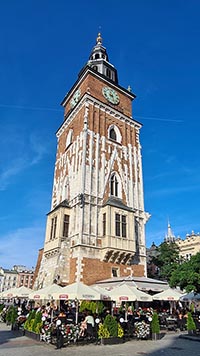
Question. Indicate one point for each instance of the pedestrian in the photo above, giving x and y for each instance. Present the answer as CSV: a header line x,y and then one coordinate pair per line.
x,y
59,335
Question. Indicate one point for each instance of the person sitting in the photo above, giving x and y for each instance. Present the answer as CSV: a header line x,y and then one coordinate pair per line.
x,y
83,328
89,319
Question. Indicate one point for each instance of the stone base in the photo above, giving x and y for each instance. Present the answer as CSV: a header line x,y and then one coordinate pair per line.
x,y
32,335
111,340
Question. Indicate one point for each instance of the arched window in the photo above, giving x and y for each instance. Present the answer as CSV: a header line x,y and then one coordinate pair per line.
x,y
69,138
114,185
95,68
114,133
97,56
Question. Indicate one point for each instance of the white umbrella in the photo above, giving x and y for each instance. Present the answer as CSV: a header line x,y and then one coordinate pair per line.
x,y
129,293
168,295
104,293
78,291
21,292
45,293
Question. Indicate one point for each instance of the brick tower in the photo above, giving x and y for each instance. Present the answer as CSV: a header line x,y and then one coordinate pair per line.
x,y
96,227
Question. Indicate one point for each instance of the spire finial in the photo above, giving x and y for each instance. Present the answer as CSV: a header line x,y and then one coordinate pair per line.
x,y
99,38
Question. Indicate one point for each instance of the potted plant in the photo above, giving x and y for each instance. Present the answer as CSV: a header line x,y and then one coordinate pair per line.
x,y
110,331
11,317
155,326
33,325
191,326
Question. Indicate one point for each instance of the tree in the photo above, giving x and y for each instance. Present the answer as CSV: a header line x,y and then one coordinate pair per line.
x,y
187,275
190,323
155,326
167,259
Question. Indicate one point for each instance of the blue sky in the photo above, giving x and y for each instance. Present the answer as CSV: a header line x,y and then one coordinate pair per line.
x,y
155,47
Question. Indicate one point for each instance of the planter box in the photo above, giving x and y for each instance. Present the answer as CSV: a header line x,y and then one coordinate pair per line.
x,y
191,332
32,335
155,336
111,340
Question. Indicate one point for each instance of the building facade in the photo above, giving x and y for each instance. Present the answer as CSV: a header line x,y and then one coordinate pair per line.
x,y
96,226
25,276
8,279
16,277
190,246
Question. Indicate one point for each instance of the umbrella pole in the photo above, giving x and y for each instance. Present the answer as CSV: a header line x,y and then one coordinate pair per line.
x,y
76,311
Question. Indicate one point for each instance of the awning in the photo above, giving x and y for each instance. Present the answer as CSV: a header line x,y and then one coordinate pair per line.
x,y
142,283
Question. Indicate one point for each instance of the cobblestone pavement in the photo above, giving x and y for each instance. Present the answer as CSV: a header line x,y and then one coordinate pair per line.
x,y
12,344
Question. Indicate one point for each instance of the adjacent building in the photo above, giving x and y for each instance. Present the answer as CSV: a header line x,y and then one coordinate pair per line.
x,y
96,226
189,246
8,279
16,277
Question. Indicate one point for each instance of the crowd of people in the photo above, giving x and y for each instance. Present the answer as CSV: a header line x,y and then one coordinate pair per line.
x,y
58,318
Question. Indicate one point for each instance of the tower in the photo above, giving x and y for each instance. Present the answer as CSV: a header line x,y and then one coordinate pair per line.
x,y
169,237
96,226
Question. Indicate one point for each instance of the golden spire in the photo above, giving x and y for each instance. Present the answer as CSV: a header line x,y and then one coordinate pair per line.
x,y
99,39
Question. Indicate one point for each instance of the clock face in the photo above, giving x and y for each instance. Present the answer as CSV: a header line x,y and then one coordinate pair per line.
x,y
75,98
111,95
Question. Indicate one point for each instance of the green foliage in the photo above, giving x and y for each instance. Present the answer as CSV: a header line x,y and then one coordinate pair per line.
x,y
155,326
167,259
34,322
111,324
190,322
94,307
11,315
110,328
30,320
103,332
37,321
187,275
192,308
38,327
1,307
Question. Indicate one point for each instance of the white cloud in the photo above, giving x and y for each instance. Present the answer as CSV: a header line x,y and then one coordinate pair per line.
x,y
39,149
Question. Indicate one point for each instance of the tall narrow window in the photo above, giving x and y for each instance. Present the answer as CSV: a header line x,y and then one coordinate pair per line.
x,y
120,225
114,185
123,225
117,224
104,224
53,228
66,225
108,72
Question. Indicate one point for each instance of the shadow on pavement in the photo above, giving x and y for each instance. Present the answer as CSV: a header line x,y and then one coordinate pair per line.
x,y
6,335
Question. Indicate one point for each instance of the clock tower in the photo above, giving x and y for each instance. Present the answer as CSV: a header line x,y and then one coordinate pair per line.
x,y
96,226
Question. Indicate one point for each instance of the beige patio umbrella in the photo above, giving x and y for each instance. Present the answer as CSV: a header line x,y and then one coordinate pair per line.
x,y
45,293
78,291
21,292
168,295
128,293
